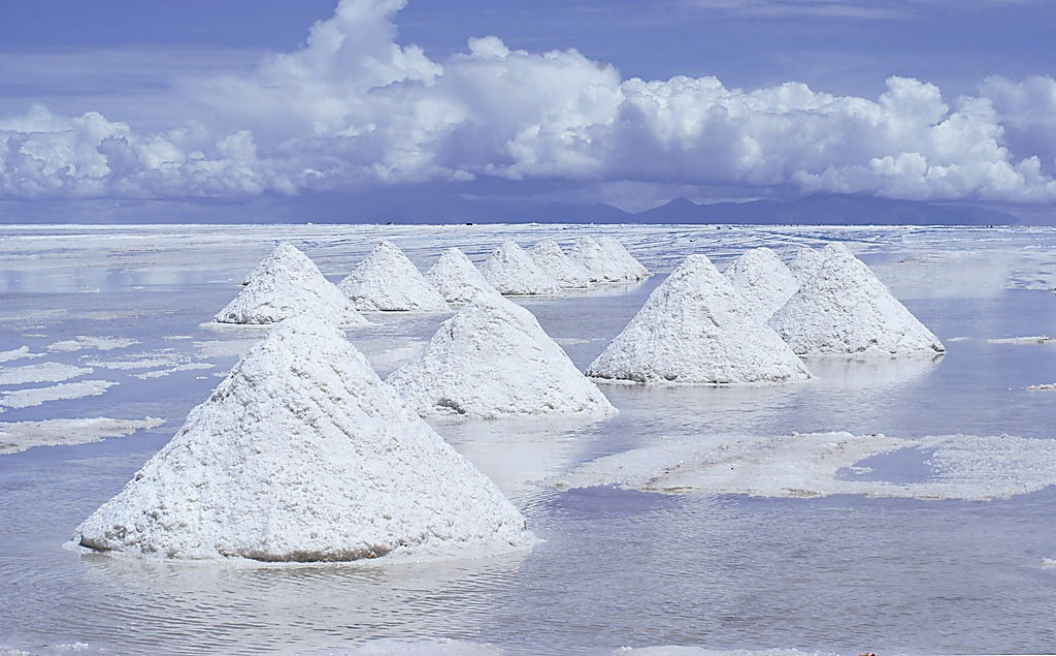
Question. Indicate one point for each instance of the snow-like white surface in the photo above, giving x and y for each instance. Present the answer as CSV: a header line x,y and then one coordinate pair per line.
x,y
607,260
764,281
86,342
569,273
285,284
823,464
1022,341
510,270
303,454
844,309
22,435
694,329
27,398
387,281
21,353
45,372
805,263
456,277
492,360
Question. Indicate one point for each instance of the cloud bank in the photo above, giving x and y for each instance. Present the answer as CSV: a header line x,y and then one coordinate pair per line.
x,y
354,109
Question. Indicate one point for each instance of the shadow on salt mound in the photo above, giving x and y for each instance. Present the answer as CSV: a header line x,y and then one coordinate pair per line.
x,y
286,284
606,260
511,271
569,274
823,464
694,329
844,309
303,454
763,280
494,360
387,281
456,278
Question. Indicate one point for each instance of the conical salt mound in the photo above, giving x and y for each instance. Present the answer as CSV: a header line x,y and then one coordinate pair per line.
x,y
510,270
606,260
763,280
693,329
285,284
492,360
844,309
548,256
805,263
456,278
387,281
303,454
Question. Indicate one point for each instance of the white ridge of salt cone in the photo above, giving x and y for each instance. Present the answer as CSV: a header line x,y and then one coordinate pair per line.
x,y
570,274
456,278
387,281
763,280
606,260
303,454
805,263
493,360
844,309
285,284
511,270
693,329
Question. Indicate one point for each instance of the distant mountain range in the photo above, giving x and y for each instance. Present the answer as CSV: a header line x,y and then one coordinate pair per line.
x,y
818,209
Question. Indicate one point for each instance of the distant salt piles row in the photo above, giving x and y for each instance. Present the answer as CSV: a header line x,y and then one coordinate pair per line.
x,y
288,283
750,325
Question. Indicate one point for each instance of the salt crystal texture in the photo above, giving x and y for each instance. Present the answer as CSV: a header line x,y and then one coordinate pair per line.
x,y
606,260
763,280
456,278
511,270
386,280
303,454
805,263
844,309
492,360
694,329
570,274
285,284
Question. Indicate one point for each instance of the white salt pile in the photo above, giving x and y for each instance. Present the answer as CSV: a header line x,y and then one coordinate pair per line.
x,y
693,329
511,270
492,360
805,263
285,284
606,260
570,274
456,278
763,280
844,309
303,454
387,281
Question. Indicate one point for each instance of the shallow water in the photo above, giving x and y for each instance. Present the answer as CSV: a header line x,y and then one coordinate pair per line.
x,y
619,567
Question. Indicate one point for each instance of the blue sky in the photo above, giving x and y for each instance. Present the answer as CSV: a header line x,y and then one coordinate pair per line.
x,y
112,108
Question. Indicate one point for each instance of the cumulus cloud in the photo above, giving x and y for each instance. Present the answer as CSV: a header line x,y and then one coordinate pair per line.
x,y
353,108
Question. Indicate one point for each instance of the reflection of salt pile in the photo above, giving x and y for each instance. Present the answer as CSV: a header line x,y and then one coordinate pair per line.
x,y
456,277
805,263
303,454
693,329
606,260
763,280
387,281
492,359
284,284
845,309
570,274
511,270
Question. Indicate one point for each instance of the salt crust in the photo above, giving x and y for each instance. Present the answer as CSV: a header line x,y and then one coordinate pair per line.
x,y
286,284
805,465
510,270
98,343
493,360
27,398
763,280
570,274
456,278
22,435
606,260
844,309
303,454
387,281
45,372
694,329
805,263
21,353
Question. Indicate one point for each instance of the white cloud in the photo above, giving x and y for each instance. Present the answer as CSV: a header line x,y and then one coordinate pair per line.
x,y
353,108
